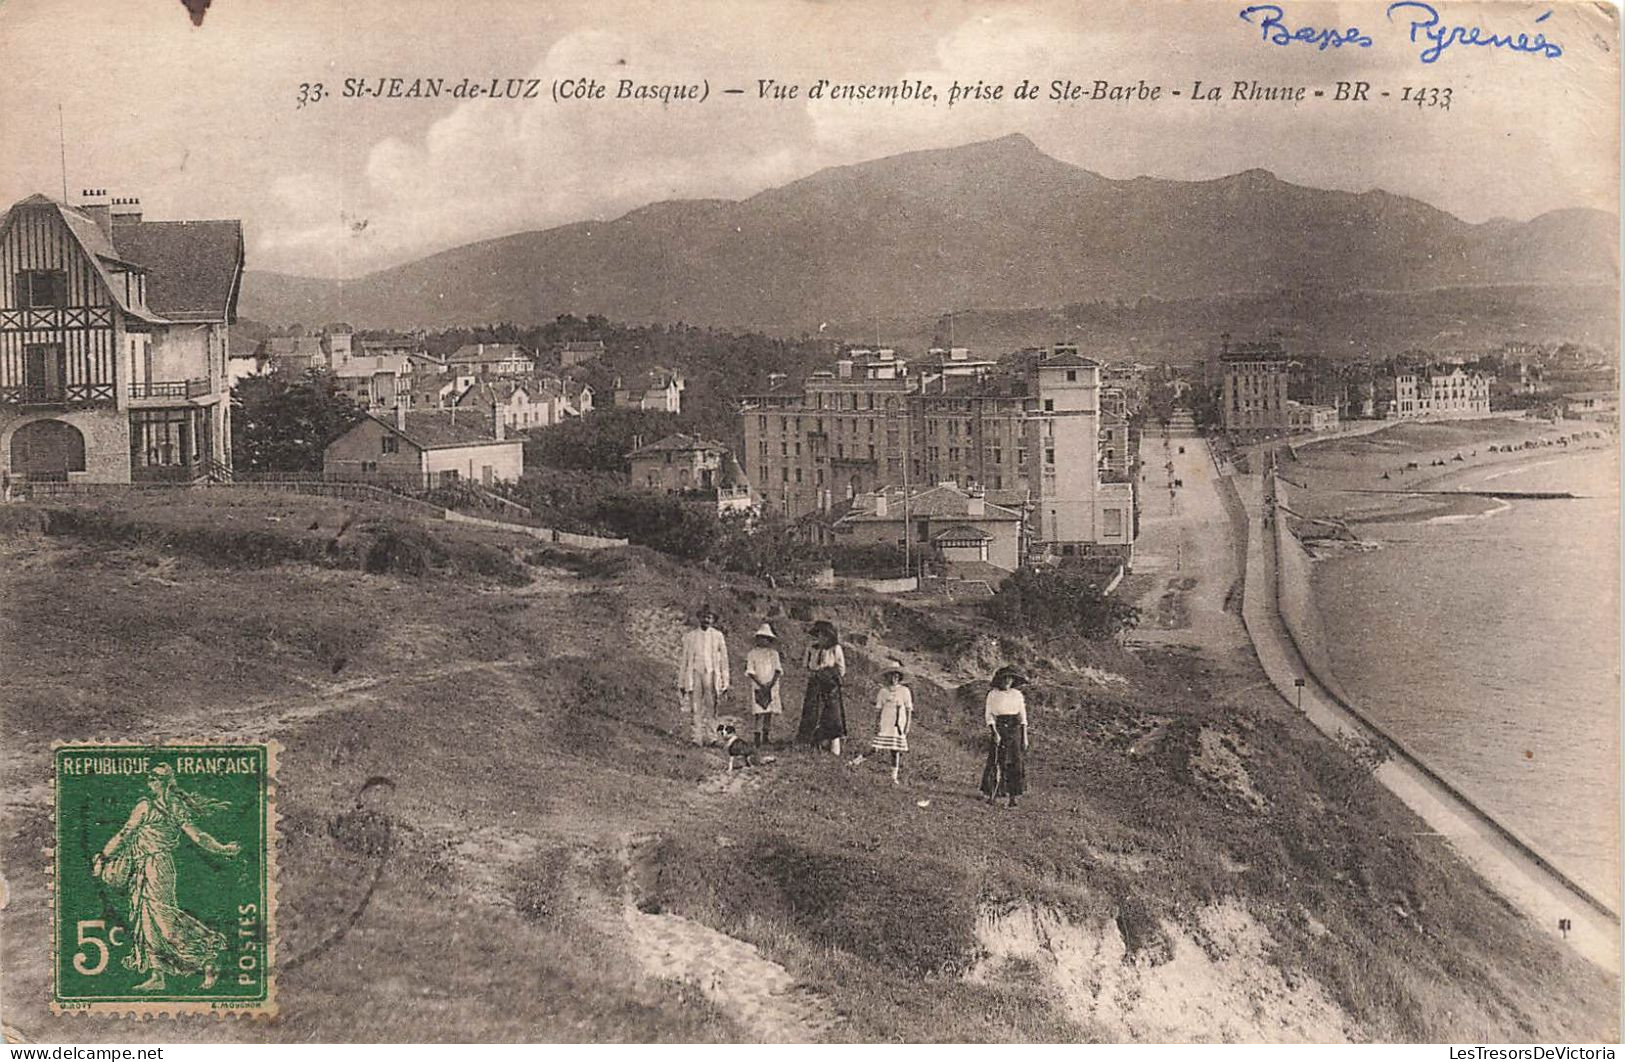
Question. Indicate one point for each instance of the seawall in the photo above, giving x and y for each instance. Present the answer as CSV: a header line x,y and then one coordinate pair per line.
x,y
1505,861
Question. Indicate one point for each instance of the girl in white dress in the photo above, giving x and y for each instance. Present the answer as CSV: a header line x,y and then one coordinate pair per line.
x,y
894,704
766,670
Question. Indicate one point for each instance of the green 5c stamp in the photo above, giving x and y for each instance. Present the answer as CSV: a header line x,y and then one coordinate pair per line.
x,y
164,878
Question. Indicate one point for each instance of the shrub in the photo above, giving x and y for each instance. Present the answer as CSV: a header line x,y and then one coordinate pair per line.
x,y
1051,601
404,549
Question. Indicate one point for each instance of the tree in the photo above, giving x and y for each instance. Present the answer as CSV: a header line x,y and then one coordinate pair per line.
x,y
598,441
282,422
1058,601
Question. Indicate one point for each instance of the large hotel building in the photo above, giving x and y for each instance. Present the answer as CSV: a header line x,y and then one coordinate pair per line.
x,y
873,423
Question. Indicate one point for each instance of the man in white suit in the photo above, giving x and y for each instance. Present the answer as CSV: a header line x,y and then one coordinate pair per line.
x,y
702,678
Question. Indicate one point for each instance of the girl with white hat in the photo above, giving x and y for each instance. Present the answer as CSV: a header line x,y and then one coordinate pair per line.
x,y
895,706
766,669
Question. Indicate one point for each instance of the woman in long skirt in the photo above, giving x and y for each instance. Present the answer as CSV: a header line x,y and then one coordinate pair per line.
x,y
823,713
1005,773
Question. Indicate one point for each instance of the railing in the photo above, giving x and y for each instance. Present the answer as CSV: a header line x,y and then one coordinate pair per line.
x,y
183,473
170,388
73,394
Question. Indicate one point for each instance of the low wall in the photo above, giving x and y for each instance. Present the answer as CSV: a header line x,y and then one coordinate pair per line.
x,y
881,586
546,534
1291,585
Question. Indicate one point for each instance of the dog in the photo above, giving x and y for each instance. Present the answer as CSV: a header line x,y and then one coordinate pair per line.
x,y
736,747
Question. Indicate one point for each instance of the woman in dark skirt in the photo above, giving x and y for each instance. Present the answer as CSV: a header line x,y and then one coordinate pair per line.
x,y
1006,771
823,714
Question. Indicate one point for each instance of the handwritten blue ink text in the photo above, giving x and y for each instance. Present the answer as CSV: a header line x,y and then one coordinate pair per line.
x,y
1268,18
1425,24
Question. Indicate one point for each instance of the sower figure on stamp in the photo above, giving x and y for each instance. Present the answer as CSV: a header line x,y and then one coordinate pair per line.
x,y
702,676
138,862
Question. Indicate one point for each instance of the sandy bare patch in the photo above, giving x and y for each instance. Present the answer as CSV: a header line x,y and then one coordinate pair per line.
x,y
1214,984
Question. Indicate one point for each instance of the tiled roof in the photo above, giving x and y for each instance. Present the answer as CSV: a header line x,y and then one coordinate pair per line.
x,y
678,442
1069,360
193,267
436,429
583,346
962,533
933,502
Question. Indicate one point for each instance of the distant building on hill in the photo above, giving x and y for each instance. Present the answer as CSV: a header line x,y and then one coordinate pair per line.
x,y
659,390
685,464
491,359
427,449
580,351
1440,391
293,354
523,403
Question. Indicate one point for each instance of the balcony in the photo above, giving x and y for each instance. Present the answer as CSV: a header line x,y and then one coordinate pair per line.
x,y
168,392
58,396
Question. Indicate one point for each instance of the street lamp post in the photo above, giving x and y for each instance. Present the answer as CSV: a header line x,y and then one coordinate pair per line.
x,y
1298,682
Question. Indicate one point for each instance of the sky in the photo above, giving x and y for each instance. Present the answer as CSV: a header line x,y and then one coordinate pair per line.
x,y
201,121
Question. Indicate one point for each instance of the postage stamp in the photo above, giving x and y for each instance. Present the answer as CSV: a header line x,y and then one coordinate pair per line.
x,y
164,878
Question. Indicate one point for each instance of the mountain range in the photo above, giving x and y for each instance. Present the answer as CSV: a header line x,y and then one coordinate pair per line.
x,y
990,225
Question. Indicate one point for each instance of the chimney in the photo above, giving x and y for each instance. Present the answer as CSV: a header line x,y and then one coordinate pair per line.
x,y
976,505
882,506
400,415
844,368
126,210
498,426
95,206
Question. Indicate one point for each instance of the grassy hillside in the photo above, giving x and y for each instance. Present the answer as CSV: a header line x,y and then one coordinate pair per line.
x,y
492,828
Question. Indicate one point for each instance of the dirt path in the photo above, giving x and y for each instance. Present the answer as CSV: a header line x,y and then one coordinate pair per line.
x,y
758,994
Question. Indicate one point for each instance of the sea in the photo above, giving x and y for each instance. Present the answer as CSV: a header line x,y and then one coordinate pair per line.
x,y
1488,642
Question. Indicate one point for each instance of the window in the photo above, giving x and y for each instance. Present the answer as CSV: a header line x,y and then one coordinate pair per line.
x,y
369,466
798,475
45,372
784,475
1049,405
41,287
391,445
1072,376
1049,457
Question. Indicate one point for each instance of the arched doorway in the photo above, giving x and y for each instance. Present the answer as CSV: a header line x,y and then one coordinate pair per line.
x,y
47,449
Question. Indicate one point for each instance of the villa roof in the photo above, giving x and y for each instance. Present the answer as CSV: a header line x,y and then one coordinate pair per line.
x,y
968,533
193,267
677,442
439,430
940,502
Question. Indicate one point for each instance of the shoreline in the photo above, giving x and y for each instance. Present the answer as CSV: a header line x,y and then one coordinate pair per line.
x,y
1513,869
